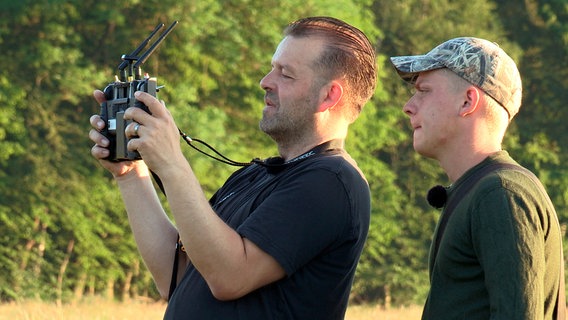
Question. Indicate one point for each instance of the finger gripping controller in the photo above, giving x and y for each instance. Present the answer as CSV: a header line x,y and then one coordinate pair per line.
x,y
119,97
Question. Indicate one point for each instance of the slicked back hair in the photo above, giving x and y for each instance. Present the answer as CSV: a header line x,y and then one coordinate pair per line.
x,y
348,55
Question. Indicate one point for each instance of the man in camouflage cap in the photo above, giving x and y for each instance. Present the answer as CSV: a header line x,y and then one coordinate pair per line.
x,y
480,62
497,250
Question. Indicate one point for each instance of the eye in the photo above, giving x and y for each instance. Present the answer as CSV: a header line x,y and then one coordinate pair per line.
x,y
286,72
419,89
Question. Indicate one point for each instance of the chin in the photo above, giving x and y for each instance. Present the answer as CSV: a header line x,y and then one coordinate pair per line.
x,y
420,149
425,153
265,126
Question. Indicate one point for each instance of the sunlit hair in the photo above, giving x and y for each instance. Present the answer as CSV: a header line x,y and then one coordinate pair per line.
x,y
496,115
348,55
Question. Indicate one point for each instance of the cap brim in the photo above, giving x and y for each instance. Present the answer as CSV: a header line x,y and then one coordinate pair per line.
x,y
409,66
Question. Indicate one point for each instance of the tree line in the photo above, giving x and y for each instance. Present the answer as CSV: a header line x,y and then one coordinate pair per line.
x,y
63,229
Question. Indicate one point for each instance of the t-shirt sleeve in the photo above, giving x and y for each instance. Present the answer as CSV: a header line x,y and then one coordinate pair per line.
x,y
304,215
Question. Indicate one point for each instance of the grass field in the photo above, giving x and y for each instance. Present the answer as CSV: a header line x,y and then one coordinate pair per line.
x,y
135,310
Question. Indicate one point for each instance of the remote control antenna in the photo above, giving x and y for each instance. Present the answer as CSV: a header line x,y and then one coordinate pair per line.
x,y
127,59
119,96
146,55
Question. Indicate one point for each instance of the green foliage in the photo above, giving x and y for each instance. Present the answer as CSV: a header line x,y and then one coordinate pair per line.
x,y
63,229
541,29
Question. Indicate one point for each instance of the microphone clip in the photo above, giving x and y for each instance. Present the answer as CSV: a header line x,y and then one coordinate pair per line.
x,y
437,196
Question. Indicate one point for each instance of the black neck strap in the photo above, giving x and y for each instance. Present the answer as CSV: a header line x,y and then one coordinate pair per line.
x,y
277,164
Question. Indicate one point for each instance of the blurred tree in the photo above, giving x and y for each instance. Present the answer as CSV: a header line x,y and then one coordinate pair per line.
x,y
63,229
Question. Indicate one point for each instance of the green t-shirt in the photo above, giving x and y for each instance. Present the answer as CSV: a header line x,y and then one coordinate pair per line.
x,y
499,256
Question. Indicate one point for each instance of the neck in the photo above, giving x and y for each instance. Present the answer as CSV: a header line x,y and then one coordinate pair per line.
x,y
457,166
471,147
295,144
290,152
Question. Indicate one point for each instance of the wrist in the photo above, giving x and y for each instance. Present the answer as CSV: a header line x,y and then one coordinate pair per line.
x,y
173,168
134,171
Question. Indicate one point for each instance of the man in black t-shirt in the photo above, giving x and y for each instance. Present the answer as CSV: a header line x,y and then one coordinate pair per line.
x,y
281,239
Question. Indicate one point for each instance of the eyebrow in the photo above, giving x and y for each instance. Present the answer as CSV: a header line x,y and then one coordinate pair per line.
x,y
290,69
284,66
420,79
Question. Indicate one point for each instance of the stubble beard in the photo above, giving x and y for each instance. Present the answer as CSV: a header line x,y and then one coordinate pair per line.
x,y
290,126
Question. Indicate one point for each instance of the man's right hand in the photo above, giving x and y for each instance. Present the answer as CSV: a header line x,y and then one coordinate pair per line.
x,y
100,150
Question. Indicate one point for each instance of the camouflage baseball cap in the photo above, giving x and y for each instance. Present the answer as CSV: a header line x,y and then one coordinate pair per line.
x,y
481,62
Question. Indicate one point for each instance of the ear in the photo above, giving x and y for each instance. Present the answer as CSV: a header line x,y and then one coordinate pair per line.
x,y
332,94
472,101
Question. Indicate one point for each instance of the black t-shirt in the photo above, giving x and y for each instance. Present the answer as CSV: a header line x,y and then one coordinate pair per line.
x,y
312,217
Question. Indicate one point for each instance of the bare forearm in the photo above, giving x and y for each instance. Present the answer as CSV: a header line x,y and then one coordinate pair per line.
x,y
204,234
154,233
220,254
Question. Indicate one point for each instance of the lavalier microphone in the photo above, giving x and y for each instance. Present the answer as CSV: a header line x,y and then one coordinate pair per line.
x,y
437,197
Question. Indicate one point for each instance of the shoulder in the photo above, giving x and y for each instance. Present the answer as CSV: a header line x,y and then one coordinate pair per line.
x,y
500,172
517,180
340,164
514,190
500,182
334,177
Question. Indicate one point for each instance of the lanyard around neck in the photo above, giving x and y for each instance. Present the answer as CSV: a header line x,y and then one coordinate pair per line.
x,y
277,164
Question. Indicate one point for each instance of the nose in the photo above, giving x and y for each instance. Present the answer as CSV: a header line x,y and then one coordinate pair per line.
x,y
265,82
409,108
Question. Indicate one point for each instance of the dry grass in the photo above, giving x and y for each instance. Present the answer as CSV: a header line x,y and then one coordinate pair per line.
x,y
93,309
100,309
368,312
